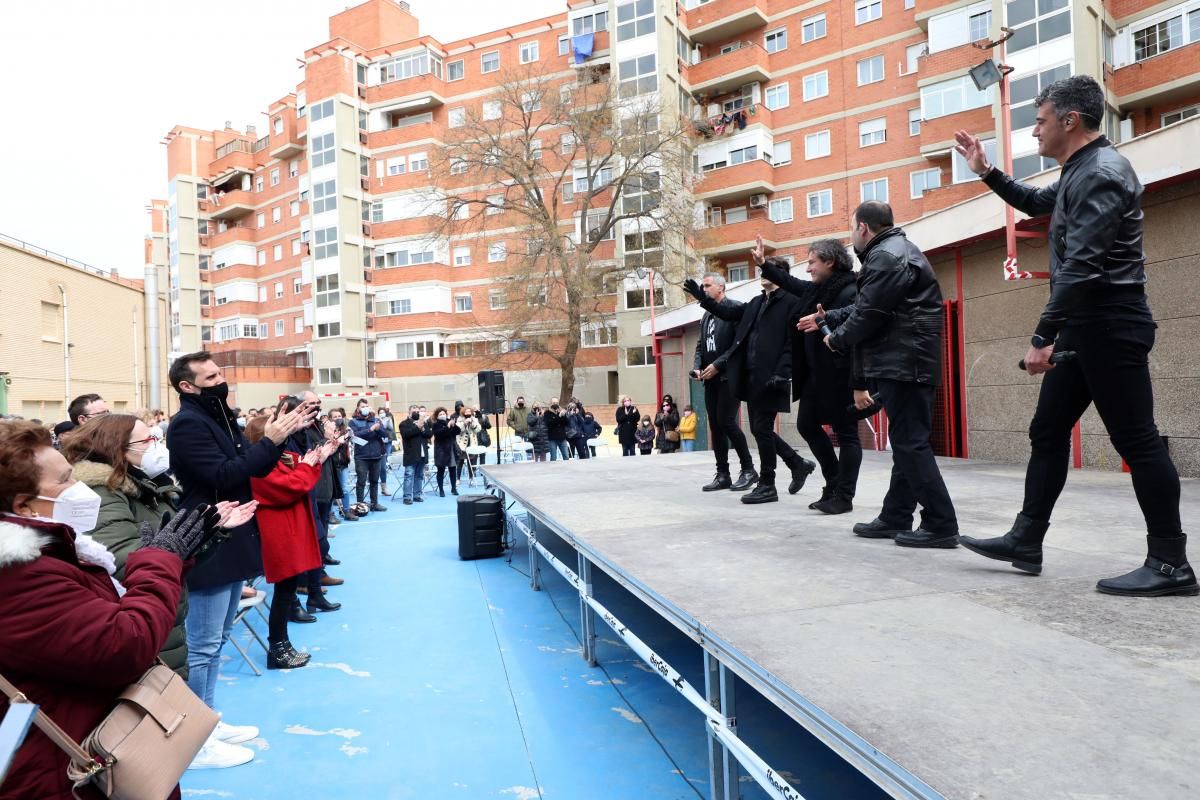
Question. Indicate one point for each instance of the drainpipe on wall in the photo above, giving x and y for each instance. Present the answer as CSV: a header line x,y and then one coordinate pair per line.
x,y
66,349
150,289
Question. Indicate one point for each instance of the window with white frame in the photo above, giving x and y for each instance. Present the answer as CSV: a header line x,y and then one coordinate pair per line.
x,y
923,180
529,52
568,192
456,117
262,294
406,351
820,203
737,272
637,76
258,183
635,19
495,204
262,331
396,166
327,291
979,24
458,166
531,101
260,220
816,85
275,177
298,325
872,131
776,97
322,149
781,153
293,168
780,210
876,189
276,214
870,70
462,303
409,66
812,28
1171,117
324,197
914,122
568,143
775,40
912,58
952,96
536,295
294,208
960,172
735,215
325,243
418,162
462,256
497,251
455,70
497,299
489,62
1035,24
594,334
400,305
329,375
743,154
817,145
600,178
278,289
961,26
564,45
1023,91
321,110
297,285
590,23
643,193
277,252
261,257
641,356
491,109
867,11
279,331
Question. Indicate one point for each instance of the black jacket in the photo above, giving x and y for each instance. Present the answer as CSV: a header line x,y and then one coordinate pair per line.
x,y
716,337
627,424
828,368
536,433
895,326
212,461
444,434
413,437
311,438
763,380
1096,257
556,425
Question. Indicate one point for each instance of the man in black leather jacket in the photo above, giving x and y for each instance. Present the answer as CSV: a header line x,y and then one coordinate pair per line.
x,y
894,330
1098,309
716,337
759,370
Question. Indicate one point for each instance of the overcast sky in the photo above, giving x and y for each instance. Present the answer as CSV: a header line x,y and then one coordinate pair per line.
x,y
90,88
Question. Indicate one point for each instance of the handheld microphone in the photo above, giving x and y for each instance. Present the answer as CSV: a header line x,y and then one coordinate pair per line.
x,y
857,413
1055,358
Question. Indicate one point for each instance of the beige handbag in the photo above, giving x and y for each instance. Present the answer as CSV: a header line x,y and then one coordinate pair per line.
x,y
142,748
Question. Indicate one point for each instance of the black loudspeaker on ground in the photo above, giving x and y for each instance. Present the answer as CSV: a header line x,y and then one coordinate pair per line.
x,y
480,526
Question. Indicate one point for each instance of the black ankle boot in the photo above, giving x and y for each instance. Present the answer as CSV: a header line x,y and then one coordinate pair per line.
x,y
1021,546
878,529
1165,572
721,481
835,504
298,614
283,656
826,493
800,474
746,479
319,602
763,493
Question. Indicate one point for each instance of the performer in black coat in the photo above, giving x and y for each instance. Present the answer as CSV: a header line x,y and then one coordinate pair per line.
x,y
721,404
825,377
894,330
760,372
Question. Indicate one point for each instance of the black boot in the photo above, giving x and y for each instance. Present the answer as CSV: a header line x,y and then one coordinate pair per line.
x,y
721,481
746,479
298,614
878,529
283,656
1165,572
1021,546
826,493
835,504
317,601
763,493
923,538
330,561
800,474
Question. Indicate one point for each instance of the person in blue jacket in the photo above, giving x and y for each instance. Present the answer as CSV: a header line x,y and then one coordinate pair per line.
x,y
369,448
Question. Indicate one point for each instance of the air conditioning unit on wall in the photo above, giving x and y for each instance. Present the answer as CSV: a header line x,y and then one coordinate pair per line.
x,y
758,201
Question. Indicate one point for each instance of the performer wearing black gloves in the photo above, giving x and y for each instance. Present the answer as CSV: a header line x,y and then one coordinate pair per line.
x,y
716,336
1098,309
760,372
825,382
895,331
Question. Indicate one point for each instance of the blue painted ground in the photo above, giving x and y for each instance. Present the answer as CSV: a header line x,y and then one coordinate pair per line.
x,y
448,679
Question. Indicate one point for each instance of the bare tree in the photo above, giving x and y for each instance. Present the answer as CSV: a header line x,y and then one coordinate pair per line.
x,y
566,169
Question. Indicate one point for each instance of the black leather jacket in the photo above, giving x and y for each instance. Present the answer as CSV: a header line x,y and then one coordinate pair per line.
x,y
1096,256
895,326
722,333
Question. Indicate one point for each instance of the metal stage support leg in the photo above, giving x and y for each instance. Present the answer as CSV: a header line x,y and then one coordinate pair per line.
x,y
534,581
723,769
586,612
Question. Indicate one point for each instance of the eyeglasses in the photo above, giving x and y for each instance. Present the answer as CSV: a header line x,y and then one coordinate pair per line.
x,y
147,440
96,414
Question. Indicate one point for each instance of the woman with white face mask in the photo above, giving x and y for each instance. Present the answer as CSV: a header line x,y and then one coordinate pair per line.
x,y
118,459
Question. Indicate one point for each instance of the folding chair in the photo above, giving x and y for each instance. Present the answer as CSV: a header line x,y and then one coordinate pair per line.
x,y
244,606
429,480
522,449
599,445
473,450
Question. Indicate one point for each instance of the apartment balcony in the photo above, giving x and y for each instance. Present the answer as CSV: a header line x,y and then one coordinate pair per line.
x,y
721,20
418,93
725,72
429,320
234,158
235,233
405,133
233,272
398,276
736,182
953,60
234,309
261,366
937,135
924,9
736,239
1168,77
231,205
600,52
287,144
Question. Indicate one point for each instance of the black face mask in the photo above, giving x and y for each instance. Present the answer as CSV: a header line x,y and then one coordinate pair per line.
x,y
220,391
416,415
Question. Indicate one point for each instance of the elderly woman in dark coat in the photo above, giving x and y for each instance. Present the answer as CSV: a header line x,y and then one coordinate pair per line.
x,y
538,434
445,437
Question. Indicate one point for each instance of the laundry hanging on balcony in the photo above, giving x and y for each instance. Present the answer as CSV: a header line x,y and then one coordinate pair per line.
x,y
728,123
583,45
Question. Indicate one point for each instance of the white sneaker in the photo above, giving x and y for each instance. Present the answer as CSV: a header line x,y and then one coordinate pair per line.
x,y
234,734
218,755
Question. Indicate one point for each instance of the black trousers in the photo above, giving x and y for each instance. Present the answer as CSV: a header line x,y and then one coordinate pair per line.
x,y
840,470
770,444
629,449
722,408
1112,370
441,476
313,577
580,448
367,471
915,474
281,607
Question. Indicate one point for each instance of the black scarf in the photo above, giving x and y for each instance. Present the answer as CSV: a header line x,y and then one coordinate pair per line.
x,y
827,292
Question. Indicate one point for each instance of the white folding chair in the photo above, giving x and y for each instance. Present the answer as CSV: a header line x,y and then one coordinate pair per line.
x,y
244,607
474,450
522,449
599,445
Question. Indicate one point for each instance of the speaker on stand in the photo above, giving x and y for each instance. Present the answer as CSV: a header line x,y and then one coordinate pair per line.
x,y
491,398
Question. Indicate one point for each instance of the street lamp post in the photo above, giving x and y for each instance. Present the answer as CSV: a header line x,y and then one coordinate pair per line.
x,y
642,272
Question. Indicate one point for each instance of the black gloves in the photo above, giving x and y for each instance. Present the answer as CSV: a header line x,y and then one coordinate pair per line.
x,y
183,535
776,382
691,287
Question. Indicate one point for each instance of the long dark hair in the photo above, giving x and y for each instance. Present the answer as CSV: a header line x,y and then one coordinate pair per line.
x,y
831,251
105,440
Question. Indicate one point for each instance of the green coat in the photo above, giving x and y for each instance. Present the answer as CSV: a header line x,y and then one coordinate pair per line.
x,y
122,512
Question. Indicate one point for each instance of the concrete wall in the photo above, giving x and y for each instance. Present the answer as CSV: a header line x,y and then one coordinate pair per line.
x,y
1000,316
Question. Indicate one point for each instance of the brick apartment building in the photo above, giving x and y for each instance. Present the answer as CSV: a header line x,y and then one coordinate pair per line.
x,y
302,255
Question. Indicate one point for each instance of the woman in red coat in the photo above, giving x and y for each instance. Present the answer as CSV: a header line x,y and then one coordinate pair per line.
x,y
72,638
289,537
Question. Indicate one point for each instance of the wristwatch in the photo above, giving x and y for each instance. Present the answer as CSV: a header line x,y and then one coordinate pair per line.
x,y
1040,341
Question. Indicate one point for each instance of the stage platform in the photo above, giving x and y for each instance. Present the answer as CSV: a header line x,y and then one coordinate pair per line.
x,y
935,673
